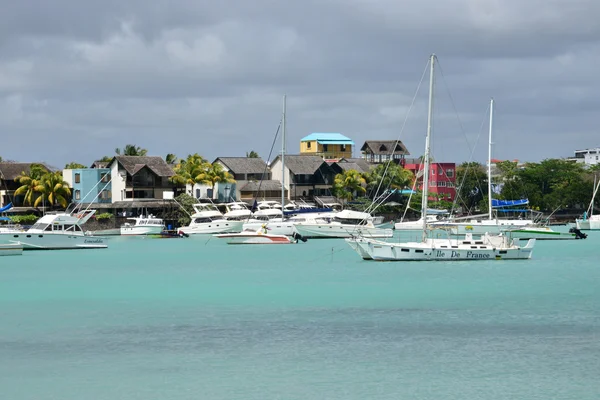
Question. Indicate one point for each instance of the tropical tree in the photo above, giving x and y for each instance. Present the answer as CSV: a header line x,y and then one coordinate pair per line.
x,y
74,165
347,184
252,154
106,159
131,150
471,181
388,176
214,174
30,182
53,190
171,159
190,171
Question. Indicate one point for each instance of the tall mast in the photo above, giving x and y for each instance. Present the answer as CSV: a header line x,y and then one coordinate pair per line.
x,y
490,159
283,157
426,156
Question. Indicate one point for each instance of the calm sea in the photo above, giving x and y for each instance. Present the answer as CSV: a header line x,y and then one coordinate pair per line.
x,y
161,319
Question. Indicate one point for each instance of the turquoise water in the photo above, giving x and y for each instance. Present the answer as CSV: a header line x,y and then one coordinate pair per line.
x,y
197,319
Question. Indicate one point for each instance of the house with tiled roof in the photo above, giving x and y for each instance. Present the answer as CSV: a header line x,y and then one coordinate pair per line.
x,y
380,151
140,177
243,170
306,176
330,146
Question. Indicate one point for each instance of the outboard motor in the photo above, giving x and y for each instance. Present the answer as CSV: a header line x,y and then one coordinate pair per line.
x,y
578,233
298,236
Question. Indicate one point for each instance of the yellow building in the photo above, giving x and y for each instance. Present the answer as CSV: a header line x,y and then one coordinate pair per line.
x,y
330,146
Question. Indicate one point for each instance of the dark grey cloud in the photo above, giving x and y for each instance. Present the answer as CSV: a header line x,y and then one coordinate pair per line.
x,y
78,79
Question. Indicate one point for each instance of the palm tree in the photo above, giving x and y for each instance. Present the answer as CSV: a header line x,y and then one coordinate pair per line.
x,y
53,189
216,174
347,184
190,170
388,176
30,182
171,159
131,150
106,159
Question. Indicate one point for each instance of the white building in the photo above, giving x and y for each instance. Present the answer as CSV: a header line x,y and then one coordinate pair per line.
x,y
587,156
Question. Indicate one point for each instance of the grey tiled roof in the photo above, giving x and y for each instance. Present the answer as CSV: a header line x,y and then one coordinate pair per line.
x,y
133,164
357,164
243,165
10,170
302,164
385,147
253,186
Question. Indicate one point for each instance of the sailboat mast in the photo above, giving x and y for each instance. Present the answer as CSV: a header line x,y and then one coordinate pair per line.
x,y
283,156
426,156
490,159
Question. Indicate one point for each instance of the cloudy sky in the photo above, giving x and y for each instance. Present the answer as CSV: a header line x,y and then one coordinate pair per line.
x,y
81,77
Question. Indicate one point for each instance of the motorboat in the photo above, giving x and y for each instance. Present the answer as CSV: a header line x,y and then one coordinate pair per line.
x,y
207,219
143,225
343,224
259,236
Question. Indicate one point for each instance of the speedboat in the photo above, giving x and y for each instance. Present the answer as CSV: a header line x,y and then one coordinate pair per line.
x,y
143,225
207,219
259,236
343,224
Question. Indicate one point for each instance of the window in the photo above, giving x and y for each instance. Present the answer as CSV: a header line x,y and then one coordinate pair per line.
x,y
105,195
77,193
450,173
432,184
77,178
104,177
324,147
308,144
343,148
450,184
197,193
441,172
441,184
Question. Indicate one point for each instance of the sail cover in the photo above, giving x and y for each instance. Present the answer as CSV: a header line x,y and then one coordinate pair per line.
x,y
509,203
6,207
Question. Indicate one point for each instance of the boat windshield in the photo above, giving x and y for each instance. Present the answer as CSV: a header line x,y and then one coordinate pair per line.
x,y
40,226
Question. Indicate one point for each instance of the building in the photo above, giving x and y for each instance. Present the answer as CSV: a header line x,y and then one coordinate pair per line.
x,y
442,178
306,176
140,178
587,156
89,185
262,190
243,170
8,172
380,151
330,146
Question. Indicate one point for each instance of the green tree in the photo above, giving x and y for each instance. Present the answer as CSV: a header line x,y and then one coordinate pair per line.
x,y
388,176
106,159
252,154
216,174
30,183
190,171
53,190
171,159
74,165
471,180
348,184
131,150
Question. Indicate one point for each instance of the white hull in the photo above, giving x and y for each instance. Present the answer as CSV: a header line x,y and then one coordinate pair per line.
x,y
217,226
141,230
275,228
541,234
53,241
15,249
588,224
321,231
254,238
488,248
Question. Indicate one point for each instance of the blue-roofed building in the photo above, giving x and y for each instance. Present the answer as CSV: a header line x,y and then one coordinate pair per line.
x,y
330,146
89,185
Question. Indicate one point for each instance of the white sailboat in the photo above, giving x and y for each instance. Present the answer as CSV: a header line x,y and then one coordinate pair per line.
x,y
590,221
488,247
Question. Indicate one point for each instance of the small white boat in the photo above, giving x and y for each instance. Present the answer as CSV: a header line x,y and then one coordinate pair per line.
x,y
414,225
260,236
544,233
11,249
344,224
56,231
209,220
590,221
144,225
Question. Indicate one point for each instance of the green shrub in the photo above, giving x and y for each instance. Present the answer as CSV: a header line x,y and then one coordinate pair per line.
x,y
27,219
104,216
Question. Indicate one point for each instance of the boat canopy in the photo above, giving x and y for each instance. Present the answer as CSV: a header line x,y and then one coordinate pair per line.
x,y
6,207
509,203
